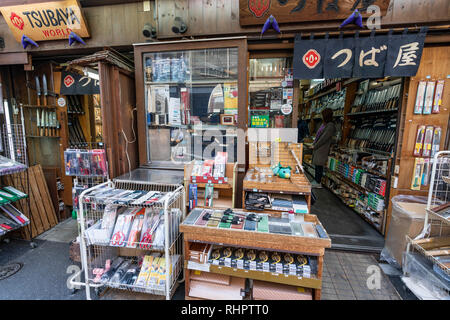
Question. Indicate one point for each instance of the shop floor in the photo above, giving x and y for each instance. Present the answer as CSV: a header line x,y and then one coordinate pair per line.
x,y
355,276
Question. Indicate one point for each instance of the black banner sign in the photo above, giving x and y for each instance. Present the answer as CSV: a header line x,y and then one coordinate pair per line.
x,y
73,83
405,52
338,58
308,56
375,56
370,57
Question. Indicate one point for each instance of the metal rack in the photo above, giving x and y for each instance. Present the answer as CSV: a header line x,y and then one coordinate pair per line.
x,y
14,147
436,230
95,252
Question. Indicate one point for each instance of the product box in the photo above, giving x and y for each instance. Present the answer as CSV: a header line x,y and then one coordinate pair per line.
x,y
407,219
192,196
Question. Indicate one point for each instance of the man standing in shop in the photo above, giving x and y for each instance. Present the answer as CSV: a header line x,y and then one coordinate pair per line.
x,y
322,144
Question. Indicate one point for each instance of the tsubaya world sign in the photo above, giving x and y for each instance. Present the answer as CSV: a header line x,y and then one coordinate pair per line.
x,y
375,56
46,21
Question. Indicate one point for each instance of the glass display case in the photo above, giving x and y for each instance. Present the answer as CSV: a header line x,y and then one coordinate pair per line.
x,y
271,93
190,102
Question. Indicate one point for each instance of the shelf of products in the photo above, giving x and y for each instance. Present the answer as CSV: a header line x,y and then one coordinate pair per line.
x,y
255,245
126,230
210,183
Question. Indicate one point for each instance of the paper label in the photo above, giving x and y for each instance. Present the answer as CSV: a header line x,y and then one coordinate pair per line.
x,y
252,265
266,267
228,262
240,264
279,268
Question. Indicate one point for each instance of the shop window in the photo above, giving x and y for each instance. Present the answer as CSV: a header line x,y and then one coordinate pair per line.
x,y
270,93
191,100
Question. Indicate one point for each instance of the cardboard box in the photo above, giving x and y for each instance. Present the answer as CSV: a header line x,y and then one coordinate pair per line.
x,y
407,219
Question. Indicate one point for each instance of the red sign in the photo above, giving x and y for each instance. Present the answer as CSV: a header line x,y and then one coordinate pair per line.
x,y
258,7
311,58
68,81
17,21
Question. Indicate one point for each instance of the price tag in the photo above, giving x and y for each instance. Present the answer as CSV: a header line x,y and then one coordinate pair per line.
x,y
307,271
279,268
252,265
266,267
293,269
240,264
215,262
228,262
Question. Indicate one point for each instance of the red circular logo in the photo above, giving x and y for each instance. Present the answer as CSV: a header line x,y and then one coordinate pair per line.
x,y
311,58
68,81
17,21
258,7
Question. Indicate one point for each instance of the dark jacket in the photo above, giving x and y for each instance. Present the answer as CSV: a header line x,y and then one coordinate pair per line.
x,y
321,147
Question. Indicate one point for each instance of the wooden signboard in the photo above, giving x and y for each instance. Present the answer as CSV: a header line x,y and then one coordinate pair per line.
x,y
255,12
46,21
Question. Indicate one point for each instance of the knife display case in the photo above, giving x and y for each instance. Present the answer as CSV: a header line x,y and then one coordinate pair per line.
x,y
190,98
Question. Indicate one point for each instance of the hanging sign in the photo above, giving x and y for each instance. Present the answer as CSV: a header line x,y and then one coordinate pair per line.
x,y
375,56
310,53
73,83
255,12
46,21
404,54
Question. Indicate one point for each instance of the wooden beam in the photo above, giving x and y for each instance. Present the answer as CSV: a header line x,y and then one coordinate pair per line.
x,y
13,58
84,3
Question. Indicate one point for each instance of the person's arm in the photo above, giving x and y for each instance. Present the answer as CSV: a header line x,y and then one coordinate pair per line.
x,y
326,135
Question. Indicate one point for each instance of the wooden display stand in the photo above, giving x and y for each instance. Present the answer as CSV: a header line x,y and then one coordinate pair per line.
x,y
226,190
297,184
263,241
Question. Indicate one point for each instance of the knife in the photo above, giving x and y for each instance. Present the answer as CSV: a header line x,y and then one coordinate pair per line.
x,y
44,88
46,123
38,124
38,90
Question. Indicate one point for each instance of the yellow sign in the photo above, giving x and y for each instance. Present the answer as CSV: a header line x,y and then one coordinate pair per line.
x,y
46,21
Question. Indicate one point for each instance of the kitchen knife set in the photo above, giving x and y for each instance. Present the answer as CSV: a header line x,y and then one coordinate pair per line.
x,y
74,109
373,133
378,100
47,124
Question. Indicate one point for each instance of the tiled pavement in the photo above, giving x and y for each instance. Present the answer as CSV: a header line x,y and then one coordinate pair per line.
x,y
345,278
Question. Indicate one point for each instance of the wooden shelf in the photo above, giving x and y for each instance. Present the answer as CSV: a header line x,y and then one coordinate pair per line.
x,y
226,190
372,112
225,185
221,203
313,282
260,241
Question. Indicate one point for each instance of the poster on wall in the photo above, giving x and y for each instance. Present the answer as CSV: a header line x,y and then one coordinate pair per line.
x,y
259,121
375,56
46,21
